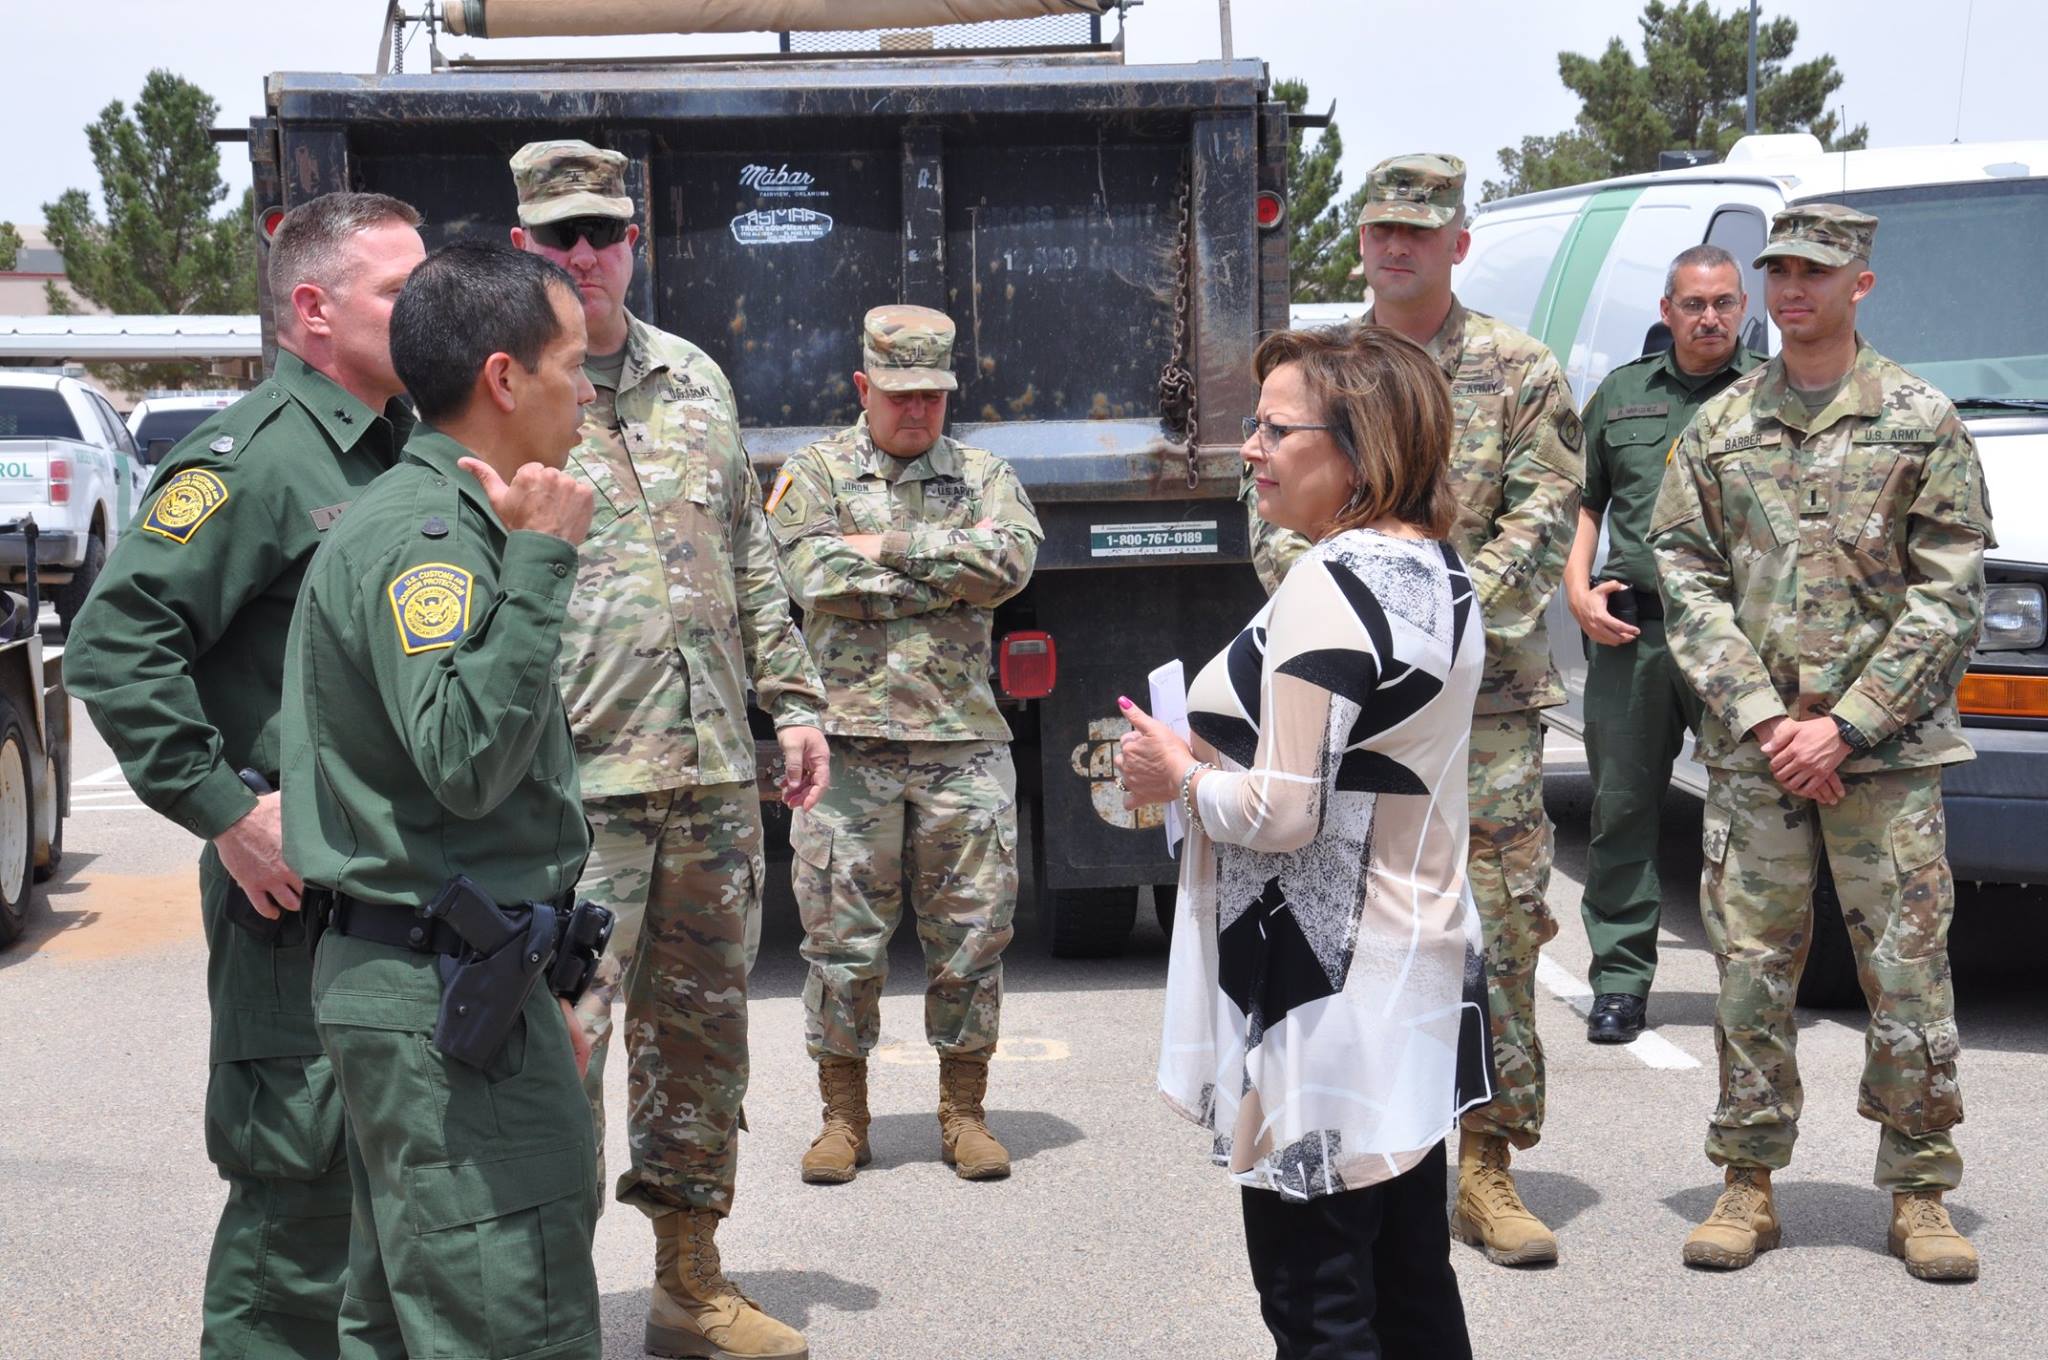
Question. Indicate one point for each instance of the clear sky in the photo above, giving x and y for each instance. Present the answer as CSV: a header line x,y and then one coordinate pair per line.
x,y
1465,76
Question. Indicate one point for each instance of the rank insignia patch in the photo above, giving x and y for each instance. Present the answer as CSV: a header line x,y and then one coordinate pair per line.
x,y
431,604
185,502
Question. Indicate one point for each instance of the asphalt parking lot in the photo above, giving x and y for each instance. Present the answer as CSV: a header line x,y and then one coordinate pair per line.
x,y
1114,1238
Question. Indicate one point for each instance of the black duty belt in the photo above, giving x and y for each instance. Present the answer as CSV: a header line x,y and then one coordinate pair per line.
x,y
399,927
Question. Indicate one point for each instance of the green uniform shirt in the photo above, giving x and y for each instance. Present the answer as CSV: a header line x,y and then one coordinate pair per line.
x,y
179,654
424,735
1632,423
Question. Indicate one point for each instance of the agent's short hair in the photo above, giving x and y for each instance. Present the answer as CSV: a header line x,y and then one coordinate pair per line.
x,y
1388,407
308,244
1701,257
464,303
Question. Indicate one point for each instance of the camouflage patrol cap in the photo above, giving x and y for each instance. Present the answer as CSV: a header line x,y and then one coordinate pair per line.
x,y
908,349
569,179
1826,233
1423,190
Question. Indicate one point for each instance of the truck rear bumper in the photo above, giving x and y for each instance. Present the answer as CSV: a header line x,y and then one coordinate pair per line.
x,y
55,548
1993,801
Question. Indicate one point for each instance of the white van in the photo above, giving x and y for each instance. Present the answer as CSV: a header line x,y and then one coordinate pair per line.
x,y
1961,300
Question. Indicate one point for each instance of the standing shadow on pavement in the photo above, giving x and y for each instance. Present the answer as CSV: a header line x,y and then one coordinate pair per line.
x,y
1821,1213
908,1139
789,1296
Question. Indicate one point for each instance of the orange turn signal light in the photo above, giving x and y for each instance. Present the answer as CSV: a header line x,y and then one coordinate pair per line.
x,y
2003,696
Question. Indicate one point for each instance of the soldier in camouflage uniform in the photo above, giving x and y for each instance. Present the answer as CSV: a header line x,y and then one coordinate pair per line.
x,y
899,543
1820,544
1517,467
678,610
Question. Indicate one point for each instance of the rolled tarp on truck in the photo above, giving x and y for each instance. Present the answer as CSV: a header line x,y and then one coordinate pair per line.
x,y
568,18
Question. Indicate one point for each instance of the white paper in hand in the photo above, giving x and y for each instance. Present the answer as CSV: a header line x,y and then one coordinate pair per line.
x,y
1170,706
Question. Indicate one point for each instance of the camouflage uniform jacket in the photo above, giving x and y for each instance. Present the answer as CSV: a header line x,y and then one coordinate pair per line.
x,y
904,642
678,602
1517,465
1827,566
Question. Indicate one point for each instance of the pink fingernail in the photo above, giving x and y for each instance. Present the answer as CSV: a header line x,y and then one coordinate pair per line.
x,y
1122,702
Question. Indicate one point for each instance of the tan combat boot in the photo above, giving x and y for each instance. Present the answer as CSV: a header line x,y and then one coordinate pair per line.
x,y
1489,1213
1926,1241
1744,1222
842,1145
695,1311
969,1148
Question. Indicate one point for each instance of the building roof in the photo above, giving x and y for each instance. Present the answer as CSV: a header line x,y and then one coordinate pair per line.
x,y
130,337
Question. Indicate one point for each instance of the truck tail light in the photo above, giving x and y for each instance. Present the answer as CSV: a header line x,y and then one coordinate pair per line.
x,y
1271,210
60,481
1026,665
2003,696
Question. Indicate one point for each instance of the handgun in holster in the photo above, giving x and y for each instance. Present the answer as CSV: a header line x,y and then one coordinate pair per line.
x,y
484,988
286,928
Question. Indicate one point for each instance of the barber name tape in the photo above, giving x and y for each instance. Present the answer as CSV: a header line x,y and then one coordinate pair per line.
x,y
185,503
431,604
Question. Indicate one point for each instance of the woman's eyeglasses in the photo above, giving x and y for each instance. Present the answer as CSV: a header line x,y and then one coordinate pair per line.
x,y
563,235
1271,434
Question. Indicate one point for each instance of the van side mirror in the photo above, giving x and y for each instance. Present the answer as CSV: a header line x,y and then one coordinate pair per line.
x,y
153,452
1657,339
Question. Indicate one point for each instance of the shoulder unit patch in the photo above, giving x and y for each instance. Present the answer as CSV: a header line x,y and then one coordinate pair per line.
x,y
431,604
185,503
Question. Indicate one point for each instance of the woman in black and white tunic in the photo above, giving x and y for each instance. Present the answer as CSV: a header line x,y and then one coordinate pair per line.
x,y
1324,1011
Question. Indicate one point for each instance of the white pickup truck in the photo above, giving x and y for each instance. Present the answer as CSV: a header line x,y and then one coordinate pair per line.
x,y
68,462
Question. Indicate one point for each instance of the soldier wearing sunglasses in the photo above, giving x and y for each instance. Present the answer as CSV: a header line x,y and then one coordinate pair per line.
x,y
678,610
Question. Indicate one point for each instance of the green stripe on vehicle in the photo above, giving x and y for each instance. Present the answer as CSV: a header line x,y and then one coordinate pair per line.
x,y
1568,287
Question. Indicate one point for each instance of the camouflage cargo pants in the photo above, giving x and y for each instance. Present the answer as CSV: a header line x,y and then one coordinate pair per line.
x,y
681,869
1509,869
1886,843
943,816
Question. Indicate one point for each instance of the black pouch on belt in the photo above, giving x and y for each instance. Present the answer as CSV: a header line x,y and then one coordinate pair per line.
x,y
484,988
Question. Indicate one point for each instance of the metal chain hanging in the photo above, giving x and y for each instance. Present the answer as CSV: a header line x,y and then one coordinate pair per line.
x,y
1177,409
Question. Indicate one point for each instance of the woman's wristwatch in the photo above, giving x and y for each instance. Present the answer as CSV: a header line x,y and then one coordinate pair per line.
x,y
1187,794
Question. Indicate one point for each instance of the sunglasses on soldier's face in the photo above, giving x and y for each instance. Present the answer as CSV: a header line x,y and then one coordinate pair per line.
x,y
563,235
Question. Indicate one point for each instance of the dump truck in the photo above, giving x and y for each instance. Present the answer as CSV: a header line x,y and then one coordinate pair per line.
x,y
1108,236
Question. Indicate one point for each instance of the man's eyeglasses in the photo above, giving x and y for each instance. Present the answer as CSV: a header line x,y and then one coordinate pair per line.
x,y
1693,306
1270,434
563,235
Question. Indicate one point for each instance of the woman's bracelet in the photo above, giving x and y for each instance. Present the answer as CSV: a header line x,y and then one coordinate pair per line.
x,y
1187,794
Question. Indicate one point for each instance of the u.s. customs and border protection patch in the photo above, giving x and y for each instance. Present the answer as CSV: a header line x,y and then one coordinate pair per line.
x,y
431,604
184,504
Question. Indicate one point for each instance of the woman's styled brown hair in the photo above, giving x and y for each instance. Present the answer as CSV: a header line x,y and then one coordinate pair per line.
x,y
1389,409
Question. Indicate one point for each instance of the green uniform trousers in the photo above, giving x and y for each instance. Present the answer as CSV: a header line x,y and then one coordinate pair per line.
x,y
681,870
475,1191
1638,710
942,814
1508,868
274,1132
1886,844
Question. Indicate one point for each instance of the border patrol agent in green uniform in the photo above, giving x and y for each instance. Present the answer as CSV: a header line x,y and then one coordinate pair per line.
x,y
179,659
1638,706
427,761
1820,542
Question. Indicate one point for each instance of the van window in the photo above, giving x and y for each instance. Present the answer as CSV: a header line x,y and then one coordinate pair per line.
x,y
1741,231
35,413
1960,277
1510,258
171,424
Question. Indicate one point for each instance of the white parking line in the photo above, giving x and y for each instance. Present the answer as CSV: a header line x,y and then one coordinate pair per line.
x,y
1652,1048
111,776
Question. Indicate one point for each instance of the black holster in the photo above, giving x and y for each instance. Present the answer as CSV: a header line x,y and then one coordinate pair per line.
x,y
484,988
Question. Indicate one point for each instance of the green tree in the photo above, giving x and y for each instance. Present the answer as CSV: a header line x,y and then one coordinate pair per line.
x,y
1322,231
1687,93
10,247
160,248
